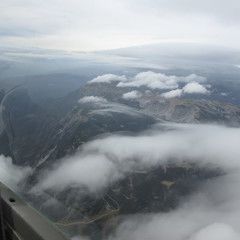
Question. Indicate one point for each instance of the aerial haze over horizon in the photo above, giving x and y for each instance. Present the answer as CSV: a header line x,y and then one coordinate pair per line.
x,y
100,25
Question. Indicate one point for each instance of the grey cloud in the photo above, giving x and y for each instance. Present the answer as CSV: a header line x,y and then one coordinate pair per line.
x,y
222,10
211,213
203,144
17,32
11,174
217,231
81,171
89,25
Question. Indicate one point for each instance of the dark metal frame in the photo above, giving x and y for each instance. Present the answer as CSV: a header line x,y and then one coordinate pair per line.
x,y
19,221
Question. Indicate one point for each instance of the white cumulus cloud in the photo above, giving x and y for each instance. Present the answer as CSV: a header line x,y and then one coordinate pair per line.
x,y
108,78
92,99
149,79
195,87
172,93
131,95
190,88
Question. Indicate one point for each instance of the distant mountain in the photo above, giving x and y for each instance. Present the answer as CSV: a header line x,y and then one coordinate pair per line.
x,y
185,51
191,110
34,130
38,132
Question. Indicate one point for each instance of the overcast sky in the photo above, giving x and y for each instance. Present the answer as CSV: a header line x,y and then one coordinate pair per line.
x,y
105,24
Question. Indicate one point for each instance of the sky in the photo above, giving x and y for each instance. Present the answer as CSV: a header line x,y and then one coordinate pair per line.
x,y
87,25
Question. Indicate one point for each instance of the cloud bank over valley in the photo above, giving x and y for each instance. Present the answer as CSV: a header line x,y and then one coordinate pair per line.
x,y
208,213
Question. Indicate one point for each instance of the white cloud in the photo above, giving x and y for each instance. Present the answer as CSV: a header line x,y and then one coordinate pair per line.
x,y
151,80
195,87
211,213
98,24
190,88
105,107
217,231
78,171
92,99
11,174
108,78
131,95
148,79
111,107
200,143
172,93
190,222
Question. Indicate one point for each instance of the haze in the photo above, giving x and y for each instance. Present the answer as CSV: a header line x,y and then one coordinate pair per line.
x,y
106,24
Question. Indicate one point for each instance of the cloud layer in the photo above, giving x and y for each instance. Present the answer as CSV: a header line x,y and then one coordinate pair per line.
x,y
211,213
11,174
217,231
201,143
131,95
97,24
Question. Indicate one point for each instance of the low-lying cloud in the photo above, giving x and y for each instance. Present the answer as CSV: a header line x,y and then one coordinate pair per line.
x,y
173,93
190,88
154,80
194,87
202,144
210,213
131,95
148,79
91,171
191,84
217,231
108,78
101,106
92,99
151,80
11,174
